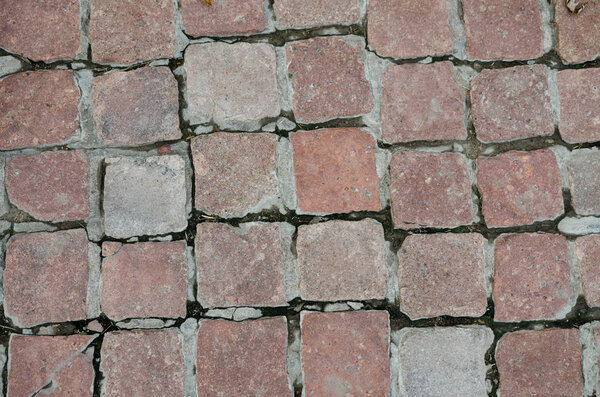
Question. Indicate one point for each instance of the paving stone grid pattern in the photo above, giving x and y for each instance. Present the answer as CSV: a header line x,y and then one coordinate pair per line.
x,y
299,197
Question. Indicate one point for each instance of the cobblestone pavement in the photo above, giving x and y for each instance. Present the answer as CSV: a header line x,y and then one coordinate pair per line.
x,y
299,197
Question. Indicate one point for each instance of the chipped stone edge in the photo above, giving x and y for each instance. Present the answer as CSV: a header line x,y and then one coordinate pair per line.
x,y
94,284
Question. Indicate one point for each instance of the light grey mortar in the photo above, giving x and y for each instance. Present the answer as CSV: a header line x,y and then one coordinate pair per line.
x,y
9,65
336,307
293,355
547,14
2,265
5,226
579,226
575,280
2,364
285,173
454,8
375,67
94,288
355,305
95,222
182,148
284,85
270,127
392,291
48,330
471,167
161,238
84,80
488,269
191,273
382,165
290,270
203,129
269,17
84,17
220,313
554,94
245,313
189,342
32,227
146,323
3,196
591,354
285,124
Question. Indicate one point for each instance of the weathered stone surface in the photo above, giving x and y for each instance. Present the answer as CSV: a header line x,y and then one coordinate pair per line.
x,y
40,30
237,358
136,107
46,276
55,361
430,189
342,260
532,277
540,363
584,181
345,353
50,186
231,83
588,253
405,29
327,75
223,17
144,196
142,363
443,361
503,30
335,171
128,32
511,103
145,280
442,274
422,103
297,14
38,108
239,266
578,36
519,188
579,104
235,173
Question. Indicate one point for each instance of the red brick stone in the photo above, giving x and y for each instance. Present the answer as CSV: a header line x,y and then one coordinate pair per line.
x,y
540,363
503,30
519,188
512,103
342,260
312,13
442,274
579,105
584,181
128,32
46,275
223,17
406,29
327,75
235,174
38,108
51,186
335,171
578,36
40,30
136,107
145,280
345,353
237,358
422,103
142,363
56,364
588,253
430,190
532,278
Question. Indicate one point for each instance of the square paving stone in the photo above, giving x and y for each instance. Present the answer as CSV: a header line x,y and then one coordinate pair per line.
x,y
540,363
38,108
578,36
142,363
579,92
342,260
345,353
298,14
587,252
46,277
144,196
223,17
584,181
237,358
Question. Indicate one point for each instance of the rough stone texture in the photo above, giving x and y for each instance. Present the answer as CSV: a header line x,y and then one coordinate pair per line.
x,y
342,260
442,274
588,253
223,17
144,196
578,36
231,83
422,103
131,31
579,105
38,109
50,186
136,107
235,174
540,363
406,29
145,280
235,359
142,363
584,181
430,189
40,30
519,188
297,14
335,171
443,361
532,277
512,103
328,78
55,361
503,30
46,276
